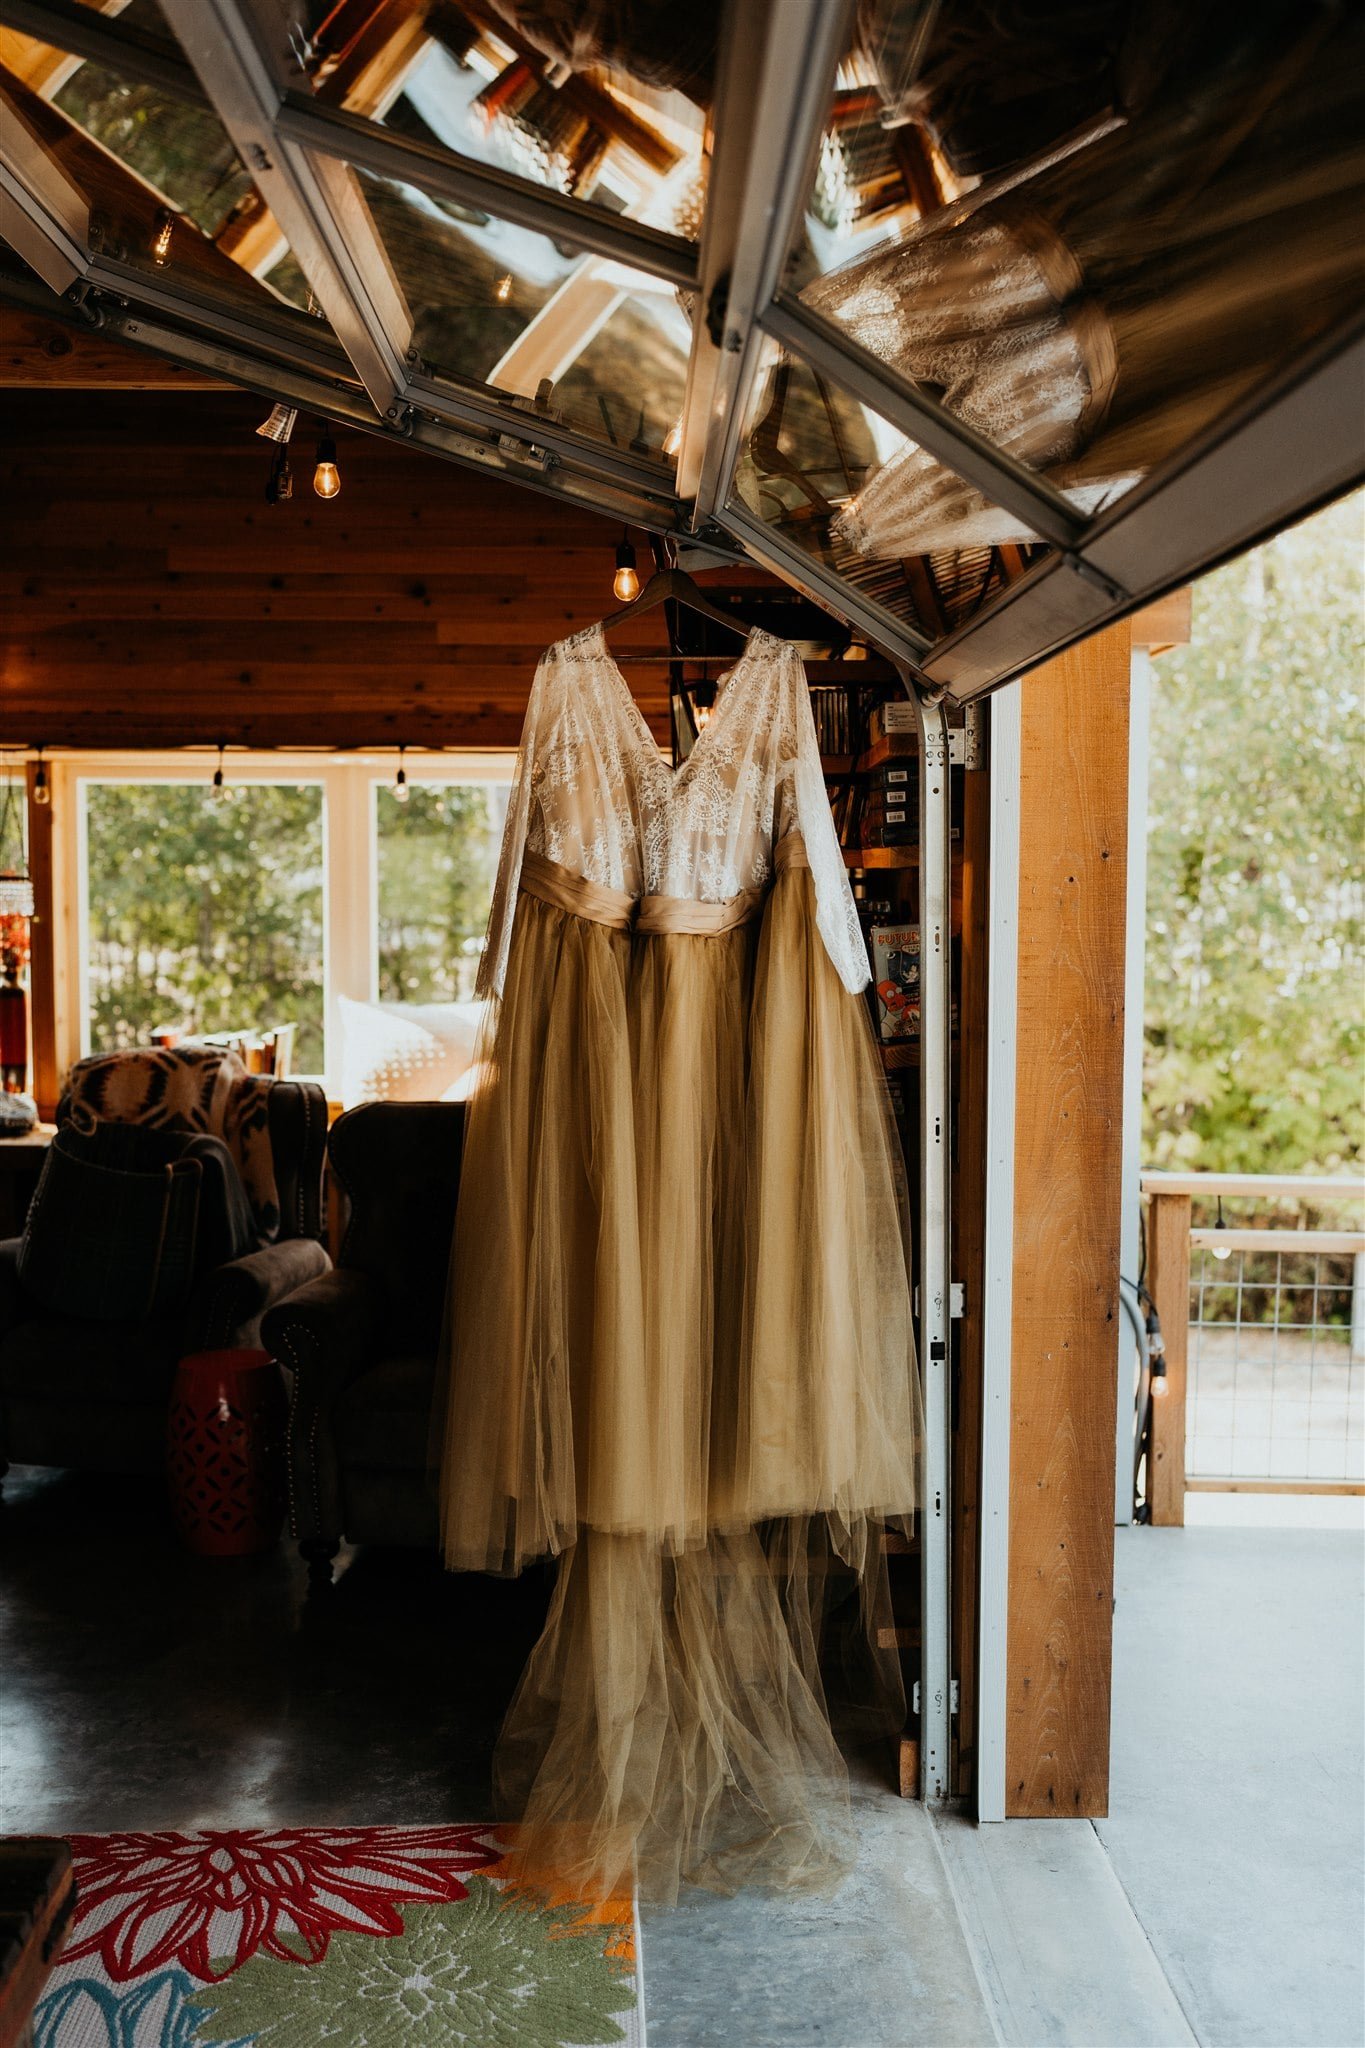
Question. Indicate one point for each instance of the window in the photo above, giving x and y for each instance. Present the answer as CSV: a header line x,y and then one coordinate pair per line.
x,y
204,913
306,881
437,859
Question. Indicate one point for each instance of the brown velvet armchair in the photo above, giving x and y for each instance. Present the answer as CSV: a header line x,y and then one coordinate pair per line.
x,y
92,1395
360,1342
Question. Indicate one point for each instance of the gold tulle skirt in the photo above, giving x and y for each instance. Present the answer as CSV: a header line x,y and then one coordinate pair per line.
x,y
681,1360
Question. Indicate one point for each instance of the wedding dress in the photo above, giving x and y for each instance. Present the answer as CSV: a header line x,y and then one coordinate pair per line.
x,y
680,1347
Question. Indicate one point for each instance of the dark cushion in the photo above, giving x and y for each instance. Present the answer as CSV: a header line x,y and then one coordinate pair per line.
x,y
383,1419
398,1164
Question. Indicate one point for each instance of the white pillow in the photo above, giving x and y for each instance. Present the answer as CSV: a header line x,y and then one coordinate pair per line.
x,y
405,1052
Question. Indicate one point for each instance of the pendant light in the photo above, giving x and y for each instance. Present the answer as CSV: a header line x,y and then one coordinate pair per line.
x,y
42,788
327,477
218,788
626,582
400,780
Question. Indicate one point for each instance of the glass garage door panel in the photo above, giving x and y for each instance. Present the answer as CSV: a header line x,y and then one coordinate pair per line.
x,y
583,339
1087,242
849,489
624,128
166,190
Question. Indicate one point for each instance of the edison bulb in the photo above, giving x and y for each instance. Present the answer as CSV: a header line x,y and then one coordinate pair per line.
x,y
626,584
503,289
327,477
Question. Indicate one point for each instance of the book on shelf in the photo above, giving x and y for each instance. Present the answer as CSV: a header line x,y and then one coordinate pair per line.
x,y
894,720
895,976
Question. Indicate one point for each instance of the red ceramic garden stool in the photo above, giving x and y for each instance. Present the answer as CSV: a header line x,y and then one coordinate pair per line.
x,y
225,1452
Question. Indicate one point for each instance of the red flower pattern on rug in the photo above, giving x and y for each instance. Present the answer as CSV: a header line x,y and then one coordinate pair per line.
x,y
212,1900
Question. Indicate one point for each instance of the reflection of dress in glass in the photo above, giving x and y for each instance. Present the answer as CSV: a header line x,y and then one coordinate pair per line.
x,y
681,1352
1096,317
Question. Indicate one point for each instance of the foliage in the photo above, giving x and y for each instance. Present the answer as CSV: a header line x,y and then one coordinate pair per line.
x,y
1256,881
205,914
437,858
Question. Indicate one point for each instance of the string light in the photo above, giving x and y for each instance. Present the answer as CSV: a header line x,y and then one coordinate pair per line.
x,y
1221,1251
165,230
502,291
219,790
327,477
400,780
626,582
42,789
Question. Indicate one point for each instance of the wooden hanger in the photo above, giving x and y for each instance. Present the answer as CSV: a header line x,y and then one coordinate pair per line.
x,y
677,585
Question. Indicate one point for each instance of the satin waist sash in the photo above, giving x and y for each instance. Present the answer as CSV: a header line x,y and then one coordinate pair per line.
x,y
653,915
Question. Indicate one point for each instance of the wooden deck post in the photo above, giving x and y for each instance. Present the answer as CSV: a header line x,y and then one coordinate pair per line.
x,y
1068,1161
1168,1280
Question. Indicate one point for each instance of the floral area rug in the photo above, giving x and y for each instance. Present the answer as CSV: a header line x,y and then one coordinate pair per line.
x,y
362,1937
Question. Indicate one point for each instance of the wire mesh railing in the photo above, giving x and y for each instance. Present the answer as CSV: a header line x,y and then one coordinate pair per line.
x,y
1262,1310
1274,1392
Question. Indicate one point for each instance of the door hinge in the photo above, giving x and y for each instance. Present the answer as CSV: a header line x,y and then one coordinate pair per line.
x,y
954,1696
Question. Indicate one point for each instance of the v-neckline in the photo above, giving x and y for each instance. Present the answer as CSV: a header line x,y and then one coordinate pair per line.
x,y
673,771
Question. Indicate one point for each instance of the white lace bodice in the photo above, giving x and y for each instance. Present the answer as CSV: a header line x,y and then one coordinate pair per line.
x,y
593,793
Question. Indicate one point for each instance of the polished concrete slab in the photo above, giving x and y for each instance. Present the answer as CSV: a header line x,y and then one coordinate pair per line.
x,y
1220,1903
144,1687
885,1963
1237,1809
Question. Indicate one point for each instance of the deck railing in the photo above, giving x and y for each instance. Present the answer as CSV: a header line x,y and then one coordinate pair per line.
x,y
1259,1282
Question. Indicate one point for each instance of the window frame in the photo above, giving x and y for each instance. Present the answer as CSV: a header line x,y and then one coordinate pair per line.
x,y
350,852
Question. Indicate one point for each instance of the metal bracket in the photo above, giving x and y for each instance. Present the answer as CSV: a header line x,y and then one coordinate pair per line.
x,y
1096,578
967,742
957,1300
954,1696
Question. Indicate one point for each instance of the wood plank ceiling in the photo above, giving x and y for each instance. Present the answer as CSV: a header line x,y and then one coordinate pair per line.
x,y
149,596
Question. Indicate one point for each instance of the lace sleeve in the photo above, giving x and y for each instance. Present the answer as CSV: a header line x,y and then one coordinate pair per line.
x,y
836,914
493,965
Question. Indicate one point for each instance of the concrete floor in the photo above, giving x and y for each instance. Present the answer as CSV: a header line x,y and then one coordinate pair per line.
x,y
1237,1822
141,1687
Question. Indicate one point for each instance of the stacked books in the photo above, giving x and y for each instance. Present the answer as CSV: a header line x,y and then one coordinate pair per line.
x,y
890,815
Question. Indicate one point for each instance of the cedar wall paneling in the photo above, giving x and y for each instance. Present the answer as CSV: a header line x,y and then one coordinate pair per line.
x,y
150,597
1068,1147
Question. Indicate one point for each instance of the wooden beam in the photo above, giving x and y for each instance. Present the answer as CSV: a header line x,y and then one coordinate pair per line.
x,y
51,355
42,966
1067,1186
1167,623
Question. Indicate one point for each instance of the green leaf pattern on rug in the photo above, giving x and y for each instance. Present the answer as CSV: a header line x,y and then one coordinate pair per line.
x,y
490,1972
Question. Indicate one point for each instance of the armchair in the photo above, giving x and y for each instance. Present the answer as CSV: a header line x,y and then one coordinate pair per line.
x,y
92,1396
360,1342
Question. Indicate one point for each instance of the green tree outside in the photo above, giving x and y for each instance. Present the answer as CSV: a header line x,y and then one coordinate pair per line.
x,y
1255,999
205,913
438,855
